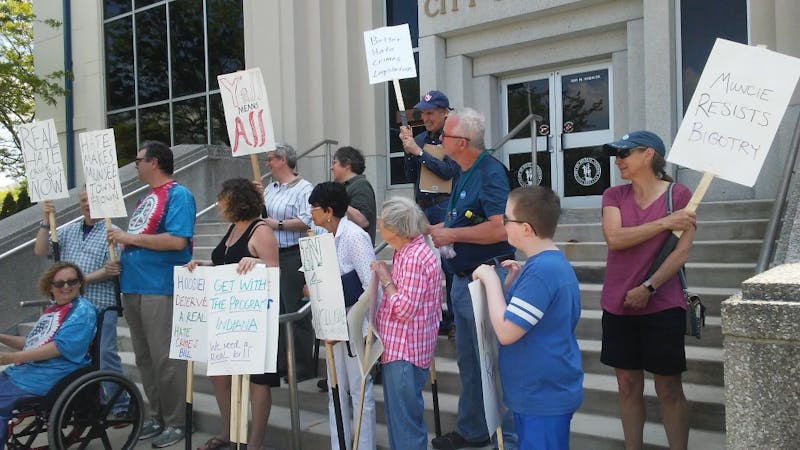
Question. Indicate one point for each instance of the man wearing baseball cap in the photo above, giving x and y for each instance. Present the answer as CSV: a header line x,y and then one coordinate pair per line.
x,y
434,107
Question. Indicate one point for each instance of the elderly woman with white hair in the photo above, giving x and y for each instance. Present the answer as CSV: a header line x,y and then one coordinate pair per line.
x,y
407,320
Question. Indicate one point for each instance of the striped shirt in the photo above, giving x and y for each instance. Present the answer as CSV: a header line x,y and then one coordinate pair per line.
x,y
408,320
90,253
289,201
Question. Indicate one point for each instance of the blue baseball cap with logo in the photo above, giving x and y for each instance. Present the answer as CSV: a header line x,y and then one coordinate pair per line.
x,y
636,139
433,100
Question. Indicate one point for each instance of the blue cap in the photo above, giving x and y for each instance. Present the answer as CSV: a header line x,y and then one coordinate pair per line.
x,y
636,139
433,100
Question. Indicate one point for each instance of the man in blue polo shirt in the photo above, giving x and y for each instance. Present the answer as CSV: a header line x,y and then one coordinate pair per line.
x,y
482,188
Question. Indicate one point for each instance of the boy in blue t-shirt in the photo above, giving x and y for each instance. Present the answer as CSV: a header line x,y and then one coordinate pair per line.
x,y
539,358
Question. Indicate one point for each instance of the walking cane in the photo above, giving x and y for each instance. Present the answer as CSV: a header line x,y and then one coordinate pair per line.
x,y
334,385
437,421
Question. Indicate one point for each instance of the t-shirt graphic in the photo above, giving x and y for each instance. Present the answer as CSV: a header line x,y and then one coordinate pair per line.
x,y
45,329
150,211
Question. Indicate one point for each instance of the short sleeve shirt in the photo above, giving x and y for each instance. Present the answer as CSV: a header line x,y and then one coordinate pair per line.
x,y
90,252
289,201
626,269
362,198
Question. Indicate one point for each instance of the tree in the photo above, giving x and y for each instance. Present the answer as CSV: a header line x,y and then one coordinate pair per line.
x,y
9,206
23,198
20,86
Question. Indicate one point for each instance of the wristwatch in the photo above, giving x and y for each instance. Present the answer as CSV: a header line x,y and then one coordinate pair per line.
x,y
280,225
649,285
44,225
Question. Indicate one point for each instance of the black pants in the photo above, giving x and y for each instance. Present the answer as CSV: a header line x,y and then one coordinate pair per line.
x,y
292,282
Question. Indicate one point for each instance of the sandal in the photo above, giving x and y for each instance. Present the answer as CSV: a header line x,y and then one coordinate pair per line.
x,y
215,443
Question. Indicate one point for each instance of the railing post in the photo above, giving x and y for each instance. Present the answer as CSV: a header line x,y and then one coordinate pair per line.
x,y
294,403
327,159
534,151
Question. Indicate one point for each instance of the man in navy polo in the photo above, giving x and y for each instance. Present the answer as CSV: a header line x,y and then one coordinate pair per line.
x,y
434,107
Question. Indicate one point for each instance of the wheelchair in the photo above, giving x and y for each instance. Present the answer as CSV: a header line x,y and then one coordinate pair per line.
x,y
74,415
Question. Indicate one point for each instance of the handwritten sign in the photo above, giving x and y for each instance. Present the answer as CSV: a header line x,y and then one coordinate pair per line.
x,y
389,54
488,349
44,168
359,317
243,320
321,269
735,111
247,115
190,310
99,155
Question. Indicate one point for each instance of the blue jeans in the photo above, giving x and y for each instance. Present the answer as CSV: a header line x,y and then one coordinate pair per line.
x,y
109,358
471,421
9,394
404,406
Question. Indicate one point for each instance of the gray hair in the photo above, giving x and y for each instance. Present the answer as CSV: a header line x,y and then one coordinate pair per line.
x,y
287,152
404,217
470,124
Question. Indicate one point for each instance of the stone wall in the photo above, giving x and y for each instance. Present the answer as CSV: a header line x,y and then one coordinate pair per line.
x,y
761,326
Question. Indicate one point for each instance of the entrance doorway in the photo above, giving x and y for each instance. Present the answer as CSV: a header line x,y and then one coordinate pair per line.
x,y
575,106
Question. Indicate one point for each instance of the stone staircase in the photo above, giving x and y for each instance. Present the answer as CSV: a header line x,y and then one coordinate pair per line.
x,y
724,254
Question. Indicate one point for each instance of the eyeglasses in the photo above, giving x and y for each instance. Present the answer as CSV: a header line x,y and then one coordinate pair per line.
x,y
137,161
60,283
450,136
506,220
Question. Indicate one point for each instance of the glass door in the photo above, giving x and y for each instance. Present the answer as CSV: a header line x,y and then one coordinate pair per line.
x,y
576,123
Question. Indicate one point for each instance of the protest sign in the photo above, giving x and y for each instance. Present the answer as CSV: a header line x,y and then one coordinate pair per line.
x,y
389,54
359,313
321,269
735,111
247,114
190,309
44,168
100,170
242,320
488,349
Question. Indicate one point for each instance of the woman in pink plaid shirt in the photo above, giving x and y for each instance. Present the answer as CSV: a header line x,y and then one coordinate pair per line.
x,y
407,320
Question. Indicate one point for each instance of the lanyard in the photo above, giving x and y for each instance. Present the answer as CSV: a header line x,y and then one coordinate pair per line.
x,y
462,181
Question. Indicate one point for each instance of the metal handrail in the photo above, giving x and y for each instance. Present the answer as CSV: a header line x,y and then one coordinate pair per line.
x,y
517,129
778,208
288,320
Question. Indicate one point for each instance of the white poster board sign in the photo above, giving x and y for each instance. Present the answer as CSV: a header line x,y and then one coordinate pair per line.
x,y
488,350
358,318
321,269
389,54
44,168
247,114
735,111
100,170
190,309
242,320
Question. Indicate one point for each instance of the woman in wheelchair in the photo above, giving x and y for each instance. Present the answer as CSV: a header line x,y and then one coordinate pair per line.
x,y
56,346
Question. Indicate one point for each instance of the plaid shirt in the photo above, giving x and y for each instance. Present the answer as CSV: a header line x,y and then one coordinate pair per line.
x,y
408,320
90,254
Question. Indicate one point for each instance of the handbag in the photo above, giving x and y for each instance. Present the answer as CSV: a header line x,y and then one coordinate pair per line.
x,y
695,309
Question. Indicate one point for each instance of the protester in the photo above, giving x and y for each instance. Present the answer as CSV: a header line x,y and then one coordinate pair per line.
x,y
355,253
84,243
407,321
535,323
644,319
434,107
158,238
248,241
348,167
287,214
482,188
57,345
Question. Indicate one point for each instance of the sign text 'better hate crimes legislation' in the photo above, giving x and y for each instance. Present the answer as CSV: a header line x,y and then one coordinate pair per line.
x,y
227,319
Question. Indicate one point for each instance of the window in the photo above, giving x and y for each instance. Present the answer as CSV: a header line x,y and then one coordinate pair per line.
x,y
399,12
701,22
162,59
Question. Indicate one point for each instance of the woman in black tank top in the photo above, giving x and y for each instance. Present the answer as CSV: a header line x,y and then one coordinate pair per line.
x,y
248,242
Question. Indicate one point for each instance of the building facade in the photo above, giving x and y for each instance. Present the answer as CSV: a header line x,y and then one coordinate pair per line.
x,y
592,69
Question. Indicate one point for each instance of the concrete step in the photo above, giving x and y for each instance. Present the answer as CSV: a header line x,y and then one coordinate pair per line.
x,y
722,210
706,231
729,251
720,275
712,297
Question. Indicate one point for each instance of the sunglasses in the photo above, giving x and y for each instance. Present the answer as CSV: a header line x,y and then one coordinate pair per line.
x,y
625,152
60,283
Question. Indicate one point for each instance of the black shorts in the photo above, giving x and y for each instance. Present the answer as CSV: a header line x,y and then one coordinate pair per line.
x,y
266,379
651,342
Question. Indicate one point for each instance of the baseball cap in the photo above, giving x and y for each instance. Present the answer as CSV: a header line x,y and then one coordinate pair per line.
x,y
635,139
433,100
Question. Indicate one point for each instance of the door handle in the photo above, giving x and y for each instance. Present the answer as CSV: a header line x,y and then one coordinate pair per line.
x,y
561,136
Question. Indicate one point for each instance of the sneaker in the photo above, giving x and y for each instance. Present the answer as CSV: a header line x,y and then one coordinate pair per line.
x,y
323,385
150,428
120,419
171,435
453,441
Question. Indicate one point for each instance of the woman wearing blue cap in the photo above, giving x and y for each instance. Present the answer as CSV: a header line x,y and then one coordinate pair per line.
x,y
644,318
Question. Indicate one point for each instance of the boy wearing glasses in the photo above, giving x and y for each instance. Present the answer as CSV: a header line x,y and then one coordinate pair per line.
x,y
539,358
